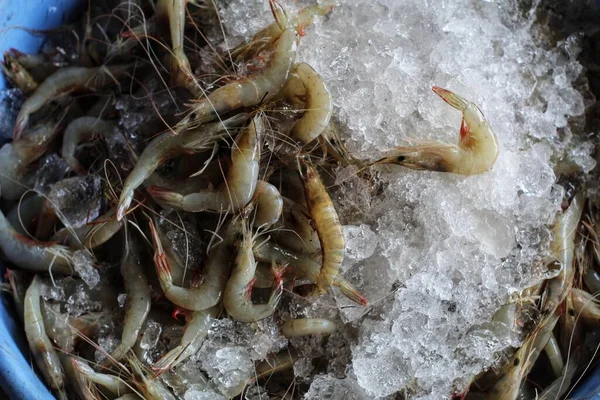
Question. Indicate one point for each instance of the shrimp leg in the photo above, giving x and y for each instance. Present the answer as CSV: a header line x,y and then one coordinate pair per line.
x,y
476,152
167,146
43,352
240,185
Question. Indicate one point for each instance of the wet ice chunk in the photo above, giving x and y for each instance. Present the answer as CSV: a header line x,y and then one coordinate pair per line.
x,y
10,104
121,299
77,200
50,169
326,387
361,241
201,393
84,265
151,335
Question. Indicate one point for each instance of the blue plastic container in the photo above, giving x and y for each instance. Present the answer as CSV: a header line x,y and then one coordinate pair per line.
x,y
17,378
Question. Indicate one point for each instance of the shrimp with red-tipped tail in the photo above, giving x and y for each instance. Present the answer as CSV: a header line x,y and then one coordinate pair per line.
x,y
475,153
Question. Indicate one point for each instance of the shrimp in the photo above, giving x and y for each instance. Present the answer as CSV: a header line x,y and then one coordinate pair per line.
x,y
112,383
196,330
22,216
44,354
517,369
79,130
152,389
17,74
63,81
301,266
215,273
307,326
18,286
318,105
562,248
251,90
14,180
269,204
327,224
476,152
237,190
137,305
33,255
91,235
236,299
167,146
586,306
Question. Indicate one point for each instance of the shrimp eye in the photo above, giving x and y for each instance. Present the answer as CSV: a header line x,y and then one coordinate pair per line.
x,y
400,158
517,361
571,312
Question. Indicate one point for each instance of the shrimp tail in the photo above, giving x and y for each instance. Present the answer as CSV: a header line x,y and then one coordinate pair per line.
x,y
124,206
163,270
165,196
165,362
350,291
451,98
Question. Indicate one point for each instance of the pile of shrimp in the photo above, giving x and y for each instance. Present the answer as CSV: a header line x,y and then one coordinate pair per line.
x,y
239,164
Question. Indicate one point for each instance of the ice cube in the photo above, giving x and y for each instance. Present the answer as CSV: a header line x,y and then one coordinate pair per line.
x,y
77,200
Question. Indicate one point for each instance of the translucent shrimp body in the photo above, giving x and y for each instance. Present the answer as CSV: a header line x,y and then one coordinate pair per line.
x,y
63,81
43,352
586,306
91,235
137,304
215,273
249,91
240,184
562,248
317,104
32,255
327,225
297,233
112,383
80,130
236,299
307,326
476,152
168,146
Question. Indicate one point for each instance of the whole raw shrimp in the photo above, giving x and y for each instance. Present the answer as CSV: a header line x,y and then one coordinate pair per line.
x,y
475,153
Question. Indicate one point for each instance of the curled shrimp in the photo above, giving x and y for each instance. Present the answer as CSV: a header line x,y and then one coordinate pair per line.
x,y
215,273
43,352
317,103
196,330
33,255
17,74
137,304
63,81
236,299
279,362
80,130
562,249
167,146
476,152
251,90
269,204
327,224
239,186
307,326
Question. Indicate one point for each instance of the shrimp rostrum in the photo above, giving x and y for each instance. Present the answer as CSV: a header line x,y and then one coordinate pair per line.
x,y
475,153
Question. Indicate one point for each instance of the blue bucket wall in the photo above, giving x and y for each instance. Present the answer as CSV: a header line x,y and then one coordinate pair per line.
x,y
17,378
